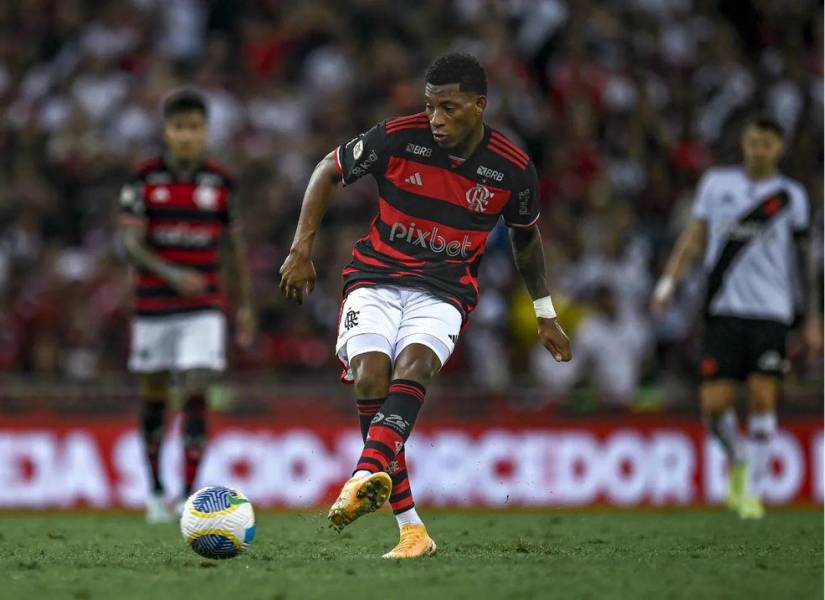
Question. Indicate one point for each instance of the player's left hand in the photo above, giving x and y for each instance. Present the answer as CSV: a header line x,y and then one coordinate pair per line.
x,y
245,327
553,338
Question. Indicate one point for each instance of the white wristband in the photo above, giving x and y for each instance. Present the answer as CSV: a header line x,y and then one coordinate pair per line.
x,y
664,288
544,308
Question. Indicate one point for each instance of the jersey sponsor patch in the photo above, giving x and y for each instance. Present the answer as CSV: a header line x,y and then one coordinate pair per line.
x,y
431,240
489,173
418,150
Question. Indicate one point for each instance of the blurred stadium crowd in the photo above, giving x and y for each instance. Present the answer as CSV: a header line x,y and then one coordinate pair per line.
x,y
621,104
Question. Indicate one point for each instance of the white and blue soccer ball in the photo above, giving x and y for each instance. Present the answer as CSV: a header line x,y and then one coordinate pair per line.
x,y
218,522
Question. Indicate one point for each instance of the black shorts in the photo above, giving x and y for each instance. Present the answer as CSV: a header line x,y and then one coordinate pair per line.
x,y
735,347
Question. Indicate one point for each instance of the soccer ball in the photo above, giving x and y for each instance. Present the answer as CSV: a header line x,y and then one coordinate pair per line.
x,y
218,522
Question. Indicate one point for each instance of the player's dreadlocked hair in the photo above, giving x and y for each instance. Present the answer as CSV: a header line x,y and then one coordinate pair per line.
x,y
463,69
184,100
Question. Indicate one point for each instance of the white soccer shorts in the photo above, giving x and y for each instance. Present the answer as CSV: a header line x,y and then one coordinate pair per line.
x,y
387,319
179,342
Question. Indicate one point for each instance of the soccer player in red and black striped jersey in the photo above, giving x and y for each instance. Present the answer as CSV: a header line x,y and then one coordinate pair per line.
x,y
445,178
178,213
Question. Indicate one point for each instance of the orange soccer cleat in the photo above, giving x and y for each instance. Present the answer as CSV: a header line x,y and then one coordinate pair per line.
x,y
358,497
415,542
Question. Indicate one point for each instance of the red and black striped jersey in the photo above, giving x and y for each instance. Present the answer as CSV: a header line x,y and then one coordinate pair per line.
x,y
434,213
183,221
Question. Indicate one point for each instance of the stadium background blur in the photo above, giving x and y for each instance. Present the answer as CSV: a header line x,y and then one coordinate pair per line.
x,y
620,104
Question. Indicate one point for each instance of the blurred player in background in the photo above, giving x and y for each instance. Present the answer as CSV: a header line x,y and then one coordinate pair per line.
x,y
177,212
750,224
444,180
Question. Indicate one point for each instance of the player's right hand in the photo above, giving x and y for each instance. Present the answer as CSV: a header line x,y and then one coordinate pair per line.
x,y
188,282
297,276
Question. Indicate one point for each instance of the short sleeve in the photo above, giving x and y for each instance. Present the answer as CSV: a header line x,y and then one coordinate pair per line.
x,y
702,202
522,209
132,207
800,210
362,155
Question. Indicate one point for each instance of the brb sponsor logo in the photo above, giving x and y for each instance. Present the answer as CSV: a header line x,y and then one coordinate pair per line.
x,y
419,150
430,240
490,173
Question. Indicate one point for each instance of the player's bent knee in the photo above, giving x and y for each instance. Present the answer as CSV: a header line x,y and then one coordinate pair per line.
x,y
417,363
763,392
371,385
371,372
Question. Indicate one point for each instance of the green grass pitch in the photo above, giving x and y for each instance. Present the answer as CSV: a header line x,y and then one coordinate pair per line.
x,y
552,554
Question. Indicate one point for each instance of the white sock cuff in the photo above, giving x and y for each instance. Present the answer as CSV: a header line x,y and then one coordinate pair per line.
x,y
762,423
408,517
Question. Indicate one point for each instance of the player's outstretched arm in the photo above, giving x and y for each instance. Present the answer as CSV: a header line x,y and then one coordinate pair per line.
x,y
298,272
689,247
528,253
187,282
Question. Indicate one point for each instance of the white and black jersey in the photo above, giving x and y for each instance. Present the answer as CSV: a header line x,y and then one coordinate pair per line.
x,y
750,255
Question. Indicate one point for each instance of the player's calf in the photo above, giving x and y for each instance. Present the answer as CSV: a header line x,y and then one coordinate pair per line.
x,y
391,426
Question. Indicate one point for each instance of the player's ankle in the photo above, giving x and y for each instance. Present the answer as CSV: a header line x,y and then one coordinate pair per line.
x,y
408,517
361,474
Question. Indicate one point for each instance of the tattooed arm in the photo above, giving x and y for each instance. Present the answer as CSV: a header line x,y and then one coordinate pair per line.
x,y
528,253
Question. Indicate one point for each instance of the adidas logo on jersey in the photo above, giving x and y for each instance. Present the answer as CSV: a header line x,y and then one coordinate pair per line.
x,y
415,179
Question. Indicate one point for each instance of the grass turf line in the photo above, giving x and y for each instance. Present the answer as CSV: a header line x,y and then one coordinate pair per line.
x,y
554,554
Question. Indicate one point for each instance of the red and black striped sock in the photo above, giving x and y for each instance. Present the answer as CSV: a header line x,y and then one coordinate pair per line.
x,y
366,411
391,425
194,438
401,498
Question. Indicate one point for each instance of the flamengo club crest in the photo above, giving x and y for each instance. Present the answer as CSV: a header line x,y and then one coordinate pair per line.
x,y
478,197
160,195
206,197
